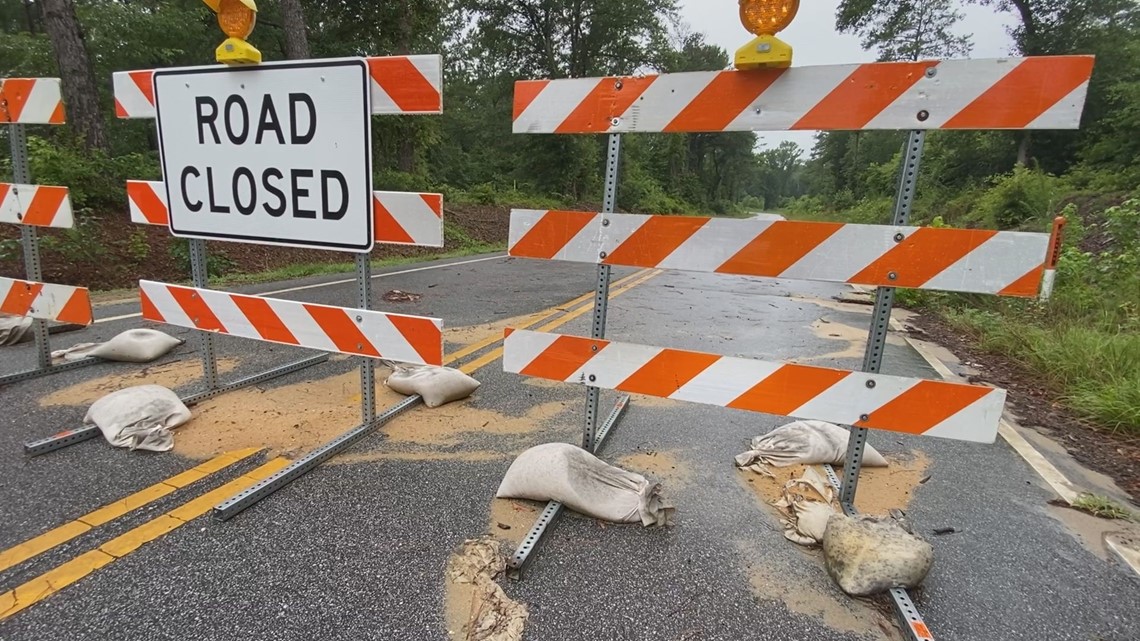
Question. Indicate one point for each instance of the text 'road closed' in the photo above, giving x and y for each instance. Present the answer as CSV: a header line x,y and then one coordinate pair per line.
x,y
280,154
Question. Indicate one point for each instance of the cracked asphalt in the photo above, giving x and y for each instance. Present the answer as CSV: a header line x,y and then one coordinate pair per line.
x,y
357,549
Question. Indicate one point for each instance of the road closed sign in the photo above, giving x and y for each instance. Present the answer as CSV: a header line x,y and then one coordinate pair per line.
x,y
276,154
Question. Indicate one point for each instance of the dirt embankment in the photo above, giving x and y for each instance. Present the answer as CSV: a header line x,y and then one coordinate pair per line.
x,y
108,252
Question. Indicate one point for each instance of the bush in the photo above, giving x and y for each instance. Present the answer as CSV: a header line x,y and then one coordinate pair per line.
x,y
1018,197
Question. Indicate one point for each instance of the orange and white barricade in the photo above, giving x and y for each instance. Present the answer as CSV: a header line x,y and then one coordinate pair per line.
x,y
30,101
1025,93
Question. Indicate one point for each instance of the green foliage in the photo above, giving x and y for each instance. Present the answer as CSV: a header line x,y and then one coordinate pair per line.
x,y
1103,507
138,247
1019,197
76,244
217,264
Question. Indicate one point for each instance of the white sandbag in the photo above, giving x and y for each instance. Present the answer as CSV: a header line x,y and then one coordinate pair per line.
x,y
139,418
806,504
869,555
13,328
803,443
437,385
585,484
131,346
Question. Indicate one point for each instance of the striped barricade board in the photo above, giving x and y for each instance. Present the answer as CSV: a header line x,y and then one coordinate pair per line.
x,y
397,337
38,205
401,85
1008,93
898,404
31,101
957,260
400,218
44,301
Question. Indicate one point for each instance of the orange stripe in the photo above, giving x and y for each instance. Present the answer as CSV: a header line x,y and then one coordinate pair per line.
x,y
77,310
404,84
667,372
341,330
566,355
20,297
609,99
57,116
654,241
144,81
120,111
4,189
924,406
864,94
525,93
778,247
149,311
718,104
199,312
144,197
1025,93
14,94
45,205
922,256
1027,286
388,229
551,233
266,321
788,389
422,335
435,203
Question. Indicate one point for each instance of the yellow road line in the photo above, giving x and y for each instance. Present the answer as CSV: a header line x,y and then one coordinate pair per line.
x,y
52,581
33,547
531,321
494,355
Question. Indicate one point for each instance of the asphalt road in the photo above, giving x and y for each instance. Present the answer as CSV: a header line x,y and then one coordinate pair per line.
x,y
358,548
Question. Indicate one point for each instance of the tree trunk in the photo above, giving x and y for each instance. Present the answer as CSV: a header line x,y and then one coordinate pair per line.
x,y
296,34
406,148
1023,149
80,93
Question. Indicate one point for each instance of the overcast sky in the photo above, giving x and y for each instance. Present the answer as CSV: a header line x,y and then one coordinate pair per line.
x,y
816,42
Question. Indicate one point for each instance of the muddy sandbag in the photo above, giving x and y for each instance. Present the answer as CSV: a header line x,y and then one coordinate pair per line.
x,y
139,418
488,613
13,328
436,385
131,346
585,484
868,555
803,443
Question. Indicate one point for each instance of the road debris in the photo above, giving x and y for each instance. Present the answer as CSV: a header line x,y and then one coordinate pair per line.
x,y
397,296
477,607
868,555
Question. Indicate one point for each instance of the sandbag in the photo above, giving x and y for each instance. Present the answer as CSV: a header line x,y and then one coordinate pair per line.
x,y
13,328
585,484
131,346
139,418
803,443
806,504
867,555
436,385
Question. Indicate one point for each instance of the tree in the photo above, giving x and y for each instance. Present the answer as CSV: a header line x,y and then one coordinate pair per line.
x,y
296,33
905,29
80,93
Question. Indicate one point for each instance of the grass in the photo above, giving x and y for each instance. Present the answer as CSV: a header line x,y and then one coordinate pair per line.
x,y
1103,507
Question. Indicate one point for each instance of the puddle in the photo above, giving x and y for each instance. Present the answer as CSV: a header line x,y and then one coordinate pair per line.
x,y
880,488
855,337
171,375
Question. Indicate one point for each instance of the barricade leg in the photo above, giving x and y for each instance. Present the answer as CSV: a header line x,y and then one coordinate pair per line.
x,y
910,620
367,365
199,272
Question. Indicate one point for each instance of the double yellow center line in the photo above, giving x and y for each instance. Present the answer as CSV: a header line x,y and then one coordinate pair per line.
x,y
43,586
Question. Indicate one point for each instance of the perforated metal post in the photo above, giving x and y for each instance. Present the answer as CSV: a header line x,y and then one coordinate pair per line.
x,y
881,317
29,238
199,271
367,365
602,291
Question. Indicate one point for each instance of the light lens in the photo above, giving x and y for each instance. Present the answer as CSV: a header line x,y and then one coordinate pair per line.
x,y
767,17
236,19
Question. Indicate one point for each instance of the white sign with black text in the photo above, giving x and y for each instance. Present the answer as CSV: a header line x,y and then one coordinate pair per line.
x,y
274,154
